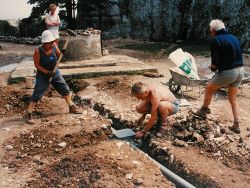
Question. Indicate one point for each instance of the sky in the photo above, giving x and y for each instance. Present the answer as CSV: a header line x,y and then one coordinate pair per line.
x,y
13,9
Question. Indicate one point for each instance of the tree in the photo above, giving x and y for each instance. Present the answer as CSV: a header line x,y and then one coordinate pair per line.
x,y
43,5
6,29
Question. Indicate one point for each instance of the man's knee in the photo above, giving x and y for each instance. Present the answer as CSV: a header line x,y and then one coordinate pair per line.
x,y
211,88
139,109
164,108
232,100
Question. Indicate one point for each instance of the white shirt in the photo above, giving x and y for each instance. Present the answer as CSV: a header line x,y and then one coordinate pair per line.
x,y
50,19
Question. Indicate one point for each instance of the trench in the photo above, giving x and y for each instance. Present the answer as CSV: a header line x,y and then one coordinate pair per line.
x,y
158,155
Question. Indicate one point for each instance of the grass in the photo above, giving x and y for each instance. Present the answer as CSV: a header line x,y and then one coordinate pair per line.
x,y
167,48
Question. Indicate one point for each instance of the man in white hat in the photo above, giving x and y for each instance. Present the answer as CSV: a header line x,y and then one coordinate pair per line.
x,y
45,59
52,21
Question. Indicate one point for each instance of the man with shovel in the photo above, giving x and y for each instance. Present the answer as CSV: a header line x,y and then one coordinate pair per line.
x,y
45,60
157,101
228,62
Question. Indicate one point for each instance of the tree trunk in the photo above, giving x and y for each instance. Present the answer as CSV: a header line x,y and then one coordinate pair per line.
x,y
69,14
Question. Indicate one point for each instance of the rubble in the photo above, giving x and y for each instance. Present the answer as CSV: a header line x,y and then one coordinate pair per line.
x,y
21,40
180,143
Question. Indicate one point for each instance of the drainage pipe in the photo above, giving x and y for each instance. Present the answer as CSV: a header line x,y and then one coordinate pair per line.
x,y
177,180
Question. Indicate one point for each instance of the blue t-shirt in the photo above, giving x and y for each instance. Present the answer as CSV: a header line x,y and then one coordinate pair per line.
x,y
225,51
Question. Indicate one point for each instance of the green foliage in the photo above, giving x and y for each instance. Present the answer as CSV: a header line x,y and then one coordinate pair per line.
x,y
6,29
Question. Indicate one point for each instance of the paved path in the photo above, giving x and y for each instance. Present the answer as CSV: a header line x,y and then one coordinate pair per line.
x,y
107,65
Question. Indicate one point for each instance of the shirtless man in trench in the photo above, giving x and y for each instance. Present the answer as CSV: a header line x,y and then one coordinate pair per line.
x,y
156,100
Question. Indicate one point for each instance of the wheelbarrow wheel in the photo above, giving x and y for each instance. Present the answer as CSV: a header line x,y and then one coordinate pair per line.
x,y
175,88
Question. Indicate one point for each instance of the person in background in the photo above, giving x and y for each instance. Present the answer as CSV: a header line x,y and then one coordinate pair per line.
x,y
45,59
52,21
227,60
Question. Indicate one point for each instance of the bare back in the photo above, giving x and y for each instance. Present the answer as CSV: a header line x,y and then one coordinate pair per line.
x,y
161,93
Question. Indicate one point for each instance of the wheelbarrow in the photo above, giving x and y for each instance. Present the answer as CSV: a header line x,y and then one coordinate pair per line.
x,y
178,80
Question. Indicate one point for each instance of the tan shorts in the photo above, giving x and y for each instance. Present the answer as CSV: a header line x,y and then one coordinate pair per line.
x,y
226,78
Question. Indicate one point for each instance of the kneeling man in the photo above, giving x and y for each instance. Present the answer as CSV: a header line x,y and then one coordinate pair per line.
x,y
156,100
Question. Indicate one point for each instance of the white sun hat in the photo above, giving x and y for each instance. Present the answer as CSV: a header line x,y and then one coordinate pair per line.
x,y
47,36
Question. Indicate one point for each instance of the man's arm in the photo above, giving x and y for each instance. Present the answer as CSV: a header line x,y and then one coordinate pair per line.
x,y
154,112
36,58
49,23
214,55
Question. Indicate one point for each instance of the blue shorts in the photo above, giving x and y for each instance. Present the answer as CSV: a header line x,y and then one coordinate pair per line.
x,y
176,107
42,84
226,78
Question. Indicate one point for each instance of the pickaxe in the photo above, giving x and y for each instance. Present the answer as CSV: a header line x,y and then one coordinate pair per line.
x,y
70,34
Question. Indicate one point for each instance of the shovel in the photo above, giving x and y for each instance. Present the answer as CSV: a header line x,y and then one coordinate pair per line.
x,y
70,34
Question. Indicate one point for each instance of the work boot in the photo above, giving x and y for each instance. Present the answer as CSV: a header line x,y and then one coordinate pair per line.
x,y
28,118
202,112
235,128
73,109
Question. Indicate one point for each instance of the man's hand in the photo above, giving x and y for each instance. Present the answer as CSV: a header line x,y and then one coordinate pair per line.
x,y
139,134
51,73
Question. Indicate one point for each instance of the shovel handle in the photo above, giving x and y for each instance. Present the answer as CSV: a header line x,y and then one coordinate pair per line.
x,y
61,55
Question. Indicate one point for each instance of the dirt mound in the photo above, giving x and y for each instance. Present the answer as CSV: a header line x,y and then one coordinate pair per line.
x,y
118,84
217,140
12,100
84,169
77,85
41,143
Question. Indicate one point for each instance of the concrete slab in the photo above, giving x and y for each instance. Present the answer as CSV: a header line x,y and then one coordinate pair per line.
x,y
123,133
107,65
92,72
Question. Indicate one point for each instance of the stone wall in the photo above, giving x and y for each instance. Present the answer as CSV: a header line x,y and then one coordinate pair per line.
x,y
85,46
170,20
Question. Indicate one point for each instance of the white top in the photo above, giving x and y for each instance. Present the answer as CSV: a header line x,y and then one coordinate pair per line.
x,y
52,19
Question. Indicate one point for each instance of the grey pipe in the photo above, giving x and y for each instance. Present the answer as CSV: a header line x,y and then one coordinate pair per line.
x,y
177,180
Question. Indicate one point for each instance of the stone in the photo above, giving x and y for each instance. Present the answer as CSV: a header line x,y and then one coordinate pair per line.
x,y
222,130
180,135
37,157
37,145
9,147
7,106
218,154
138,182
241,140
180,143
197,138
62,144
136,162
230,138
219,139
129,176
